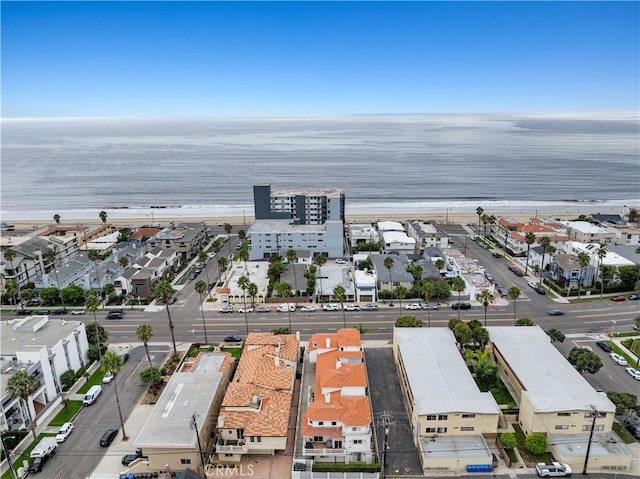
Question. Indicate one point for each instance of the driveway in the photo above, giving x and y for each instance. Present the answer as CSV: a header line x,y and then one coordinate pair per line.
x,y
388,407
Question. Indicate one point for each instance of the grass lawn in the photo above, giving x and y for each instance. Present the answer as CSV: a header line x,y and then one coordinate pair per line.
x,y
17,461
235,352
631,360
67,414
94,379
502,396
623,434
526,455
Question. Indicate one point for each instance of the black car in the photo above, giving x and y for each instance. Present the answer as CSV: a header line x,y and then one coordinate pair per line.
x,y
24,312
496,255
37,463
108,437
555,312
43,312
539,290
114,315
233,338
129,458
604,346
60,311
124,357
461,306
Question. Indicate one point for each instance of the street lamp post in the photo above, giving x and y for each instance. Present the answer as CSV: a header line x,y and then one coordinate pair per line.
x,y
613,325
6,451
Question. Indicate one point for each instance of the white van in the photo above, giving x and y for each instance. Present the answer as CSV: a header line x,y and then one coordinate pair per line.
x,y
92,395
286,307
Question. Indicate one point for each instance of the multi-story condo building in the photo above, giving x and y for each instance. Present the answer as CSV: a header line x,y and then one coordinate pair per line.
x,y
303,206
187,239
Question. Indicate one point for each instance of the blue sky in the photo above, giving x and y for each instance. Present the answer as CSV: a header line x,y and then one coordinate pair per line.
x,y
317,58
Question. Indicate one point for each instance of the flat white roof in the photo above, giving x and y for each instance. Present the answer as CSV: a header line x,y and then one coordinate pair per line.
x,y
550,382
390,226
439,379
186,393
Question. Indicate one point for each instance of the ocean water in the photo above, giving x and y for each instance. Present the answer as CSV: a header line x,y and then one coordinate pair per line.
x,y
383,163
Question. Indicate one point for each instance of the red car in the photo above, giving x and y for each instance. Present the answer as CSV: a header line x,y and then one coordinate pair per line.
x,y
618,298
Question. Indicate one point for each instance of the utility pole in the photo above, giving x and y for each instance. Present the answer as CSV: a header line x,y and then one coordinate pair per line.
x,y
595,415
7,453
193,424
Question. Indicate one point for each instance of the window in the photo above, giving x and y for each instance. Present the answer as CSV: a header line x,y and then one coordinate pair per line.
x,y
587,427
562,426
466,428
468,416
431,417
442,430
333,423
357,441
565,414
185,461
442,417
431,430
318,439
259,439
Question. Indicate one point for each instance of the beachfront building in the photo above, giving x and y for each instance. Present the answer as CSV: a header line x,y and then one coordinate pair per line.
x,y
178,432
453,422
585,232
302,206
554,399
256,410
362,233
335,421
328,277
46,348
628,234
187,239
427,235
568,272
274,237
365,286
232,294
29,261
511,233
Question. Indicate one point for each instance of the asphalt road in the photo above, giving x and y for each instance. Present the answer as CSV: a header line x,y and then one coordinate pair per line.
x,y
79,455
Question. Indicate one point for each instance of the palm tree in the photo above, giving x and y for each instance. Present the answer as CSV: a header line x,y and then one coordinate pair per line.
x,y
291,258
388,263
440,264
320,261
529,238
22,384
253,292
479,212
103,216
400,292
486,298
222,264
485,220
459,286
583,261
10,255
112,363
144,332
227,229
339,294
94,256
91,304
602,254
50,256
242,235
514,293
243,284
545,242
164,291
203,257
428,288
201,288
243,256
282,288
124,261
11,289
56,218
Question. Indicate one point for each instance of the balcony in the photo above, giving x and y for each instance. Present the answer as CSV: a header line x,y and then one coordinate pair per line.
x,y
231,447
320,449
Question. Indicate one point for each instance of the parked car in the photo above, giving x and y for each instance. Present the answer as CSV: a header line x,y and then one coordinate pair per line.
x,y
248,309
233,338
263,309
226,309
604,346
539,290
634,297
64,431
517,272
173,299
633,427
553,469
430,306
330,307
37,464
60,311
495,254
370,307
342,261
618,298
555,312
633,372
108,437
618,359
503,292
308,309
412,307
125,357
107,378
461,306
78,311
43,312
351,307
114,315
24,312
129,458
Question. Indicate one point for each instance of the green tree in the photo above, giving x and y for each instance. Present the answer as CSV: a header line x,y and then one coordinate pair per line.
x,y
340,295
72,294
96,334
428,290
320,261
151,375
243,284
22,384
453,322
584,360
103,216
91,303
400,292
144,333
529,238
486,298
583,261
203,257
11,289
201,288
68,379
536,443
124,261
242,235
555,335
10,255
227,229
283,289
112,363
626,404
93,353
361,329
479,212
508,440
524,322
459,286
545,242
252,290
408,322
388,263
222,264
163,291
463,334
50,295
56,218
486,374
636,322
94,256
514,293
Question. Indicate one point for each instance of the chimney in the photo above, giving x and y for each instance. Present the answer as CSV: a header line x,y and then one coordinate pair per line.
x,y
327,342
327,398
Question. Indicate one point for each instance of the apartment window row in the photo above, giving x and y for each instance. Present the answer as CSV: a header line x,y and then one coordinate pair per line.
x,y
439,417
587,427
433,430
